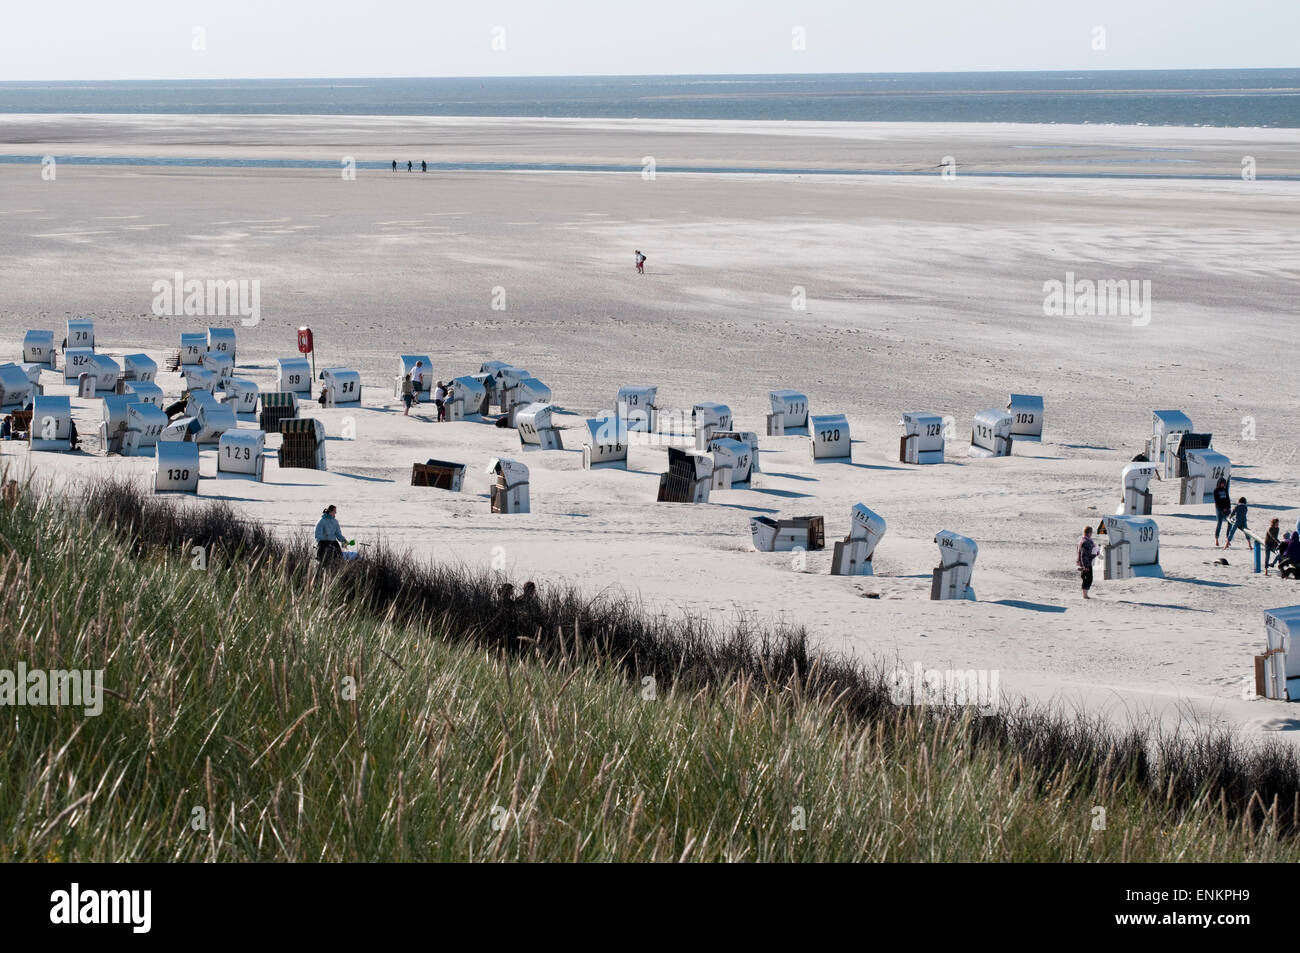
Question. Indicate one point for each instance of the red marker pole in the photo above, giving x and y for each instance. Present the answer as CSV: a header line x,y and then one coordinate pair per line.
x,y
307,346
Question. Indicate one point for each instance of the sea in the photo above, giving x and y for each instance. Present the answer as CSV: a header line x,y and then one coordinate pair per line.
x,y
1217,98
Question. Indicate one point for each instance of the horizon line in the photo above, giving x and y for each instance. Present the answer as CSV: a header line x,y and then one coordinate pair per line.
x,y
498,76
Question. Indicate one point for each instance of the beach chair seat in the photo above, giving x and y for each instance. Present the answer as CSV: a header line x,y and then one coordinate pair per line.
x,y
276,406
689,477
510,492
789,412
302,443
852,555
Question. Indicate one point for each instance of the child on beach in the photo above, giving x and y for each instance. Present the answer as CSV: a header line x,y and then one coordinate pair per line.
x,y
1272,544
407,394
1238,520
640,262
1084,557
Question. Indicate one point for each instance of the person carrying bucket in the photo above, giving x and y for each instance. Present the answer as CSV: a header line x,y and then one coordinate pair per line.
x,y
329,536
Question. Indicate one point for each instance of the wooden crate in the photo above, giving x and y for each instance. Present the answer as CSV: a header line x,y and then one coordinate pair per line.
x,y
22,422
438,474
816,530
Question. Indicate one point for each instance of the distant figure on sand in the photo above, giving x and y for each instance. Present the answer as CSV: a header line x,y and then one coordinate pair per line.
x,y
1222,507
1238,520
423,167
1087,552
408,165
640,262
329,537
440,398
407,388
394,165
73,440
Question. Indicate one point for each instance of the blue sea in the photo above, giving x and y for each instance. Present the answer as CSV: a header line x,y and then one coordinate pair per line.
x,y
1226,98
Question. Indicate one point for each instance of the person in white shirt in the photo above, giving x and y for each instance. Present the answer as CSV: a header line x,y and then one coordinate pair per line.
x,y
417,381
440,398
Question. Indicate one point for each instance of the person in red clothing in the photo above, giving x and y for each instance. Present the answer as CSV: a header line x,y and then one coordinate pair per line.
x,y
1084,556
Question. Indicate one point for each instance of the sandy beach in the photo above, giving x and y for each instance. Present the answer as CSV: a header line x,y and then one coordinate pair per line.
x,y
923,293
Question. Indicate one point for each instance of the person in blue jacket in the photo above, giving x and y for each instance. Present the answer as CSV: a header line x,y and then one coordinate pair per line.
x,y
329,536
1238,520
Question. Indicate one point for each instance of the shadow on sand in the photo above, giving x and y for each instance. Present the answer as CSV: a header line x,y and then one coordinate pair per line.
x,y
1032,606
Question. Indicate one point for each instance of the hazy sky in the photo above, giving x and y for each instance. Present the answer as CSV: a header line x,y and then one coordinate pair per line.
x,y
156,39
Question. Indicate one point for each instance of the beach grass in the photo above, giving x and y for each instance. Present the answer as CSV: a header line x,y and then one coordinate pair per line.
x,y
258,709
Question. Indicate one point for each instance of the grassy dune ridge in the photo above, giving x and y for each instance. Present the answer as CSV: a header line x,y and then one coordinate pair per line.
x,y
397,711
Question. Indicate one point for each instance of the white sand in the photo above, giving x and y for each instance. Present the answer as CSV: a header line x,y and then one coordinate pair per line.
x,y
923,294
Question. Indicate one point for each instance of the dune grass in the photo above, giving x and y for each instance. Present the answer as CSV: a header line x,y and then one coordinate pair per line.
x,y
260,710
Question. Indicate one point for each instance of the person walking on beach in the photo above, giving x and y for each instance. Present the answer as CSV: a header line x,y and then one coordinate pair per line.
x,y
329,537
394,165
408,165
1272,544
423,167
640,262
417,382
440,398
1222,507
1238,520
1084,556
407,388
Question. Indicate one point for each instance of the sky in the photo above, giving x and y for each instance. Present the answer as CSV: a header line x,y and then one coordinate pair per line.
x,y
234,39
